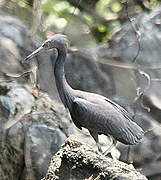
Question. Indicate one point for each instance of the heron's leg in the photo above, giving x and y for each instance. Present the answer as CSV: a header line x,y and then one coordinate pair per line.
x,y
95,137
114,142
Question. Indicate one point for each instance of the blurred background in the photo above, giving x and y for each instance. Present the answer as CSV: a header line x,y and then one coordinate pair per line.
x,y
114,50
96,20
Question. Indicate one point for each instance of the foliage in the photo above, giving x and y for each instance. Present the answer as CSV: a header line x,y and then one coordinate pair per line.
x,y
98,19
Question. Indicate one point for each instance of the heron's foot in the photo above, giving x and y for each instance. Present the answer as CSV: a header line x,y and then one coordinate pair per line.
x,y
109,154
108,151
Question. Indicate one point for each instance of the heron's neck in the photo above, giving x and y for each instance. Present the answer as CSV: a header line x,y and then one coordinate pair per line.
x,y
66,93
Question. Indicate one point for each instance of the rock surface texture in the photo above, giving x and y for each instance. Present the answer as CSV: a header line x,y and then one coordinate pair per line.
x,y
77,161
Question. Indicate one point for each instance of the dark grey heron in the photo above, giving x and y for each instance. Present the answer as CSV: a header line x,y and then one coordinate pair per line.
x,y
94,112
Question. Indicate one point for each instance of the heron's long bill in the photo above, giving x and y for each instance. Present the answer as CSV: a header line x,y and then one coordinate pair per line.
x,y
37,51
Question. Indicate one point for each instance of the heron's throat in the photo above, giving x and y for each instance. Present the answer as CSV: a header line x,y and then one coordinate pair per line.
x,y
66,93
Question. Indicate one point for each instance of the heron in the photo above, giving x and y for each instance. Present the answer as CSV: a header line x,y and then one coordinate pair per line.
x,y
94,112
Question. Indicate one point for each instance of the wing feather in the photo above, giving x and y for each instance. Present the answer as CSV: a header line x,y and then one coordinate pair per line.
x,y
107,119
119,108
99,99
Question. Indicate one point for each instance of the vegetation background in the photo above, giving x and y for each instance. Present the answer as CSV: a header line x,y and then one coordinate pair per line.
x,y
92,20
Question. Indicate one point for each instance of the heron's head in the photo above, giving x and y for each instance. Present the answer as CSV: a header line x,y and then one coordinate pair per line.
x,y
58,41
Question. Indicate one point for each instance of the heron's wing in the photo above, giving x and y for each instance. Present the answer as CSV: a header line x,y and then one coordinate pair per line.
x,y
105,119
99,99
77,123
120,109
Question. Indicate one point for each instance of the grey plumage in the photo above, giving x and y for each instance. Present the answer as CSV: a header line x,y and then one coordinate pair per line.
x,y
97,113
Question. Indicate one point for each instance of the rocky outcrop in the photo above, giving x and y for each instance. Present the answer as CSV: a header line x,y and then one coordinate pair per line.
x,y
79,161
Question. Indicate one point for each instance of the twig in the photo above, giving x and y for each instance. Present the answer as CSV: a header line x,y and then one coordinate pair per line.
x,y
140,92
136,31
156,79
18,75
113,63
117,64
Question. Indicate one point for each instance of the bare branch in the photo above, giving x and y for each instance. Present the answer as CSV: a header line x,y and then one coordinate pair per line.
x,y
155,79
136,31
140,92
25,73
116,64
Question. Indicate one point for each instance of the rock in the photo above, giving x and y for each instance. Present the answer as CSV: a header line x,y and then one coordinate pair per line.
x,y
78,161
11,154
14,45
32,134
18,101
41,142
